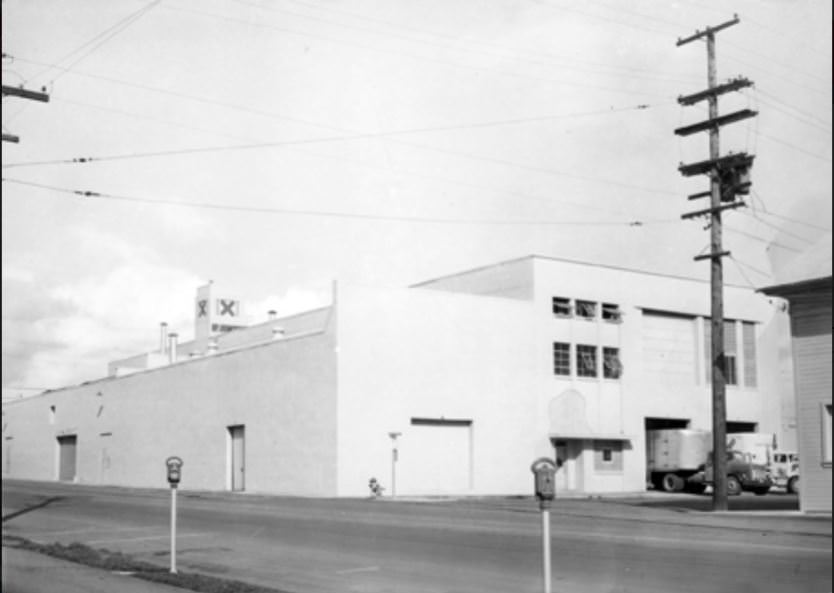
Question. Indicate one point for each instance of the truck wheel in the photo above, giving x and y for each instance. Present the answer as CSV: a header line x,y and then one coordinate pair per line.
x,y
696,488
733,486
793,485
673,483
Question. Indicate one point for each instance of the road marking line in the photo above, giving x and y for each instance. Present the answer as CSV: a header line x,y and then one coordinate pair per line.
x,y
147,537
360,569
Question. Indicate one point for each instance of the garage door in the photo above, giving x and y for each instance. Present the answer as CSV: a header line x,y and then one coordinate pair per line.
x,y
435,457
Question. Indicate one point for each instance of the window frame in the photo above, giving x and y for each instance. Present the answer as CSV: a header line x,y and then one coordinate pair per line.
x,y
564,306
611,313
559,364
581,307
615,373
583,352
731,369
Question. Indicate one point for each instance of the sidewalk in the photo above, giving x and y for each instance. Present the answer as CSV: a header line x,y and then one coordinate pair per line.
x,y
30,572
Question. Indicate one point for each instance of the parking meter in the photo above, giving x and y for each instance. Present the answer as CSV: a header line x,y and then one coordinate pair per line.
x,y
544,471
174,472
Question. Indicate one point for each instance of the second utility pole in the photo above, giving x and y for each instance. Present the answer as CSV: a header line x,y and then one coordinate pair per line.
x,y
727,178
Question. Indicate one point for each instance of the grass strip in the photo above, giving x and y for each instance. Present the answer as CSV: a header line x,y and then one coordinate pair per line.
x,y
118,562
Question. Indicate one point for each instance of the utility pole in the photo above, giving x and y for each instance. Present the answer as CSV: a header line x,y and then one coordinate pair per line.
x,y
25,94
729,177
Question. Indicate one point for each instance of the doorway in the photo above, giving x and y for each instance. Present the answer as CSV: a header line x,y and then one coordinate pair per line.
x,y
569,462
237,457
67,450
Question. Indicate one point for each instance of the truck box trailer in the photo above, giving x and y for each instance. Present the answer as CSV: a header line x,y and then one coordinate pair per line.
x,y
673,455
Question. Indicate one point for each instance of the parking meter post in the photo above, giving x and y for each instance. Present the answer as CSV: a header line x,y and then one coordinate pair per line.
x,y
173,528
544,485
546,546
174,473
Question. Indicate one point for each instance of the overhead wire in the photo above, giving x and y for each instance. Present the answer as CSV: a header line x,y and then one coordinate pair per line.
x,y
100,39
795,220
397,170
372,135
744,275
457,44
456,39
780,229
761,239
366,47
337,214
805,117
354,136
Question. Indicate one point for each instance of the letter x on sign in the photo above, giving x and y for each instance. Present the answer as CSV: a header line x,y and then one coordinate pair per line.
x,y
201,308
227,307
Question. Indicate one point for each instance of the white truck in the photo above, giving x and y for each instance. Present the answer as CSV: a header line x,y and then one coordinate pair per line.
x,y
784,469
673,455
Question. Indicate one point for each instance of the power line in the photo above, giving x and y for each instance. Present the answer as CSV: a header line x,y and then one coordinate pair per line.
x,y
365,164
101,38
780,229
454,43
794,146
761,239
337,214
374,135
797,221
824,127
478,69
744,274
470,156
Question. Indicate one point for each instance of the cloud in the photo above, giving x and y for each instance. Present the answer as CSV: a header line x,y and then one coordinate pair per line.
x,y
64,335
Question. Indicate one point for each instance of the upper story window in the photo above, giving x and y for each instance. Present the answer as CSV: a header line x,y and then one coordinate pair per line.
x,y
611,312
612,368
561,358
586,309
586,360
561,307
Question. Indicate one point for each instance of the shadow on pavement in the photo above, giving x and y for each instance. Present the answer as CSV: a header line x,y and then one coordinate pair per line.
x,y
34,507
745,502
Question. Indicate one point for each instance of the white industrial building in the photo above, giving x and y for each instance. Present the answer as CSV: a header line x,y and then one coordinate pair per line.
x,y
470,376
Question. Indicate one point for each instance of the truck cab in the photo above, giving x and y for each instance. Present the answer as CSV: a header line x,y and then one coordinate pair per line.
x,y
742,474
784,470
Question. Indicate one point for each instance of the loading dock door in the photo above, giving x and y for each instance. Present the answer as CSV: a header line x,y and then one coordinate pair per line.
x,y
67,446
435,457
237,457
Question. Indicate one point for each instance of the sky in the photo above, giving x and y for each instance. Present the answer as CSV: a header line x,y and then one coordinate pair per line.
x,y
274,147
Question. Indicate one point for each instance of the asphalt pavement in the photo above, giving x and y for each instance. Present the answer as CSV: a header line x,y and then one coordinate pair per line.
x,y
648,543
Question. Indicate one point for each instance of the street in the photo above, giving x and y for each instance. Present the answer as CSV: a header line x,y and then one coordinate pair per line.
x,y
478,545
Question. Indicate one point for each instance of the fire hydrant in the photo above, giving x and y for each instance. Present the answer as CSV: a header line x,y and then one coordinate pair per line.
x,y
376,488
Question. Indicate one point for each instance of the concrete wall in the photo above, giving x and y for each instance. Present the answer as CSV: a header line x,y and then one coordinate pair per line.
x,y
651,388
284,393
417,353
